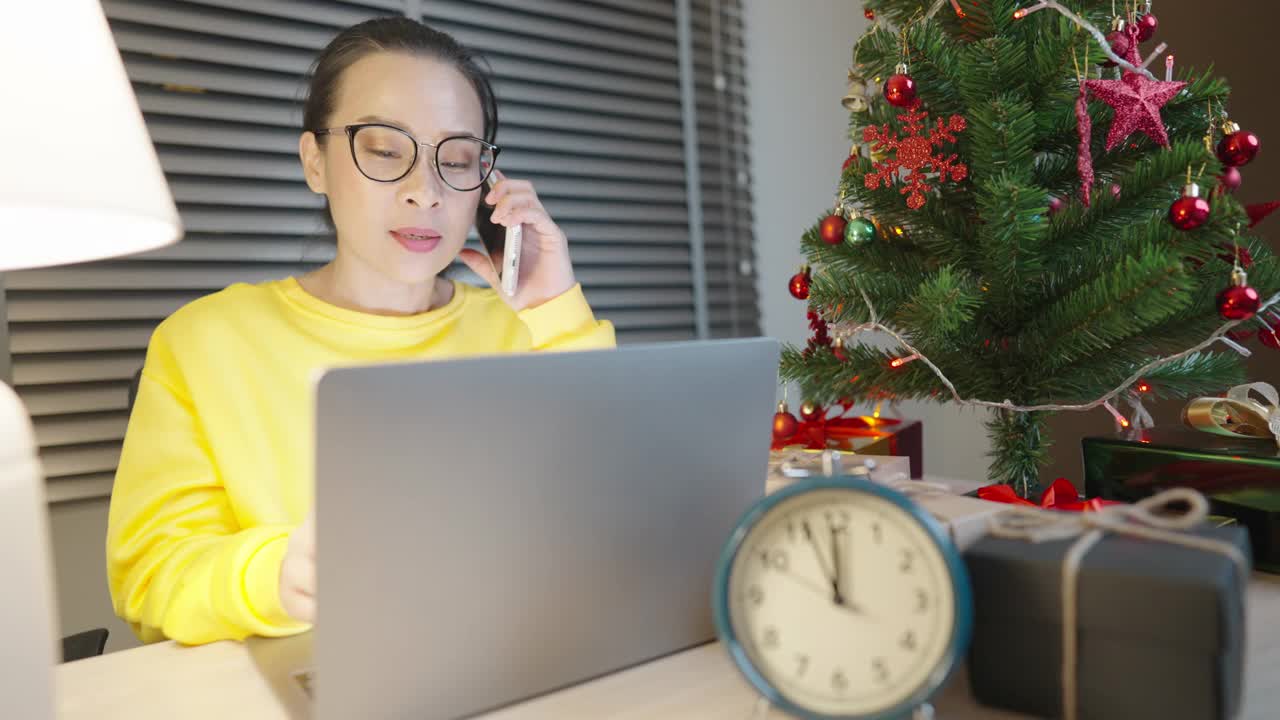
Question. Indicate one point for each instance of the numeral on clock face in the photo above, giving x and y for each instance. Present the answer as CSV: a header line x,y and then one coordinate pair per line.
x,y
776,559
770,637
880,670
839,682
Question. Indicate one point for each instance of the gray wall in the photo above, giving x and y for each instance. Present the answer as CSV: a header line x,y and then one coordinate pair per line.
x,y
798,56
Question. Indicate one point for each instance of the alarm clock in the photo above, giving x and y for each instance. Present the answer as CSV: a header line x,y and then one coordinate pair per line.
x,y
839,598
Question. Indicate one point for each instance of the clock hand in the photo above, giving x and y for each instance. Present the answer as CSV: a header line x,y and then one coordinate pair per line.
x,y
822,564
837,582
819,590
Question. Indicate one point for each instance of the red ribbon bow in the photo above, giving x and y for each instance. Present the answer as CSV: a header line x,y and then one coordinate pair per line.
x,y
1061,495
822,433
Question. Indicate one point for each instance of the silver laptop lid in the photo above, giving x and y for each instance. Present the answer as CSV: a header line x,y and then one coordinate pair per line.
x,y
495,528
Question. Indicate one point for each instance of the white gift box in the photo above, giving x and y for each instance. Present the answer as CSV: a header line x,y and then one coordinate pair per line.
x,y
965,518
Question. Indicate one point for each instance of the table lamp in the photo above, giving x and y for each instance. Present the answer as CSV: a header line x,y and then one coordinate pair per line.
x,y
79,181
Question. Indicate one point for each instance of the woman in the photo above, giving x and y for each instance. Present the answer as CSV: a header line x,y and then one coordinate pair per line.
x,y
211,534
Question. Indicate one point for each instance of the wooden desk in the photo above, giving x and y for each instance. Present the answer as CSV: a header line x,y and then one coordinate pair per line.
x,y
166,681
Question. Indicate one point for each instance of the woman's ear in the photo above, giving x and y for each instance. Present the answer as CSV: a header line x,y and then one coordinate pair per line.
x,y
312,156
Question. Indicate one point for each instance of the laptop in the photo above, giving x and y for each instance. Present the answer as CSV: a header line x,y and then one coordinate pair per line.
x,y
497,528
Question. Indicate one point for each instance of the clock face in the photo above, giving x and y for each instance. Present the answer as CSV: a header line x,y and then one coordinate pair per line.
x,y
843,601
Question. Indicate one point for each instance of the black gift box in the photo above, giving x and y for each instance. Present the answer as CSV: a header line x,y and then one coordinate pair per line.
x,y
1239,476
1160,628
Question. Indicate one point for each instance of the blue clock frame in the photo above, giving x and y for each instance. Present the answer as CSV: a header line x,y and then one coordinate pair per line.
x,y
962,629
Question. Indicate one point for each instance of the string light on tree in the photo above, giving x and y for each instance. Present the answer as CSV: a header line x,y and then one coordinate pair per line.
x,y
1120,419
899,362
1087,27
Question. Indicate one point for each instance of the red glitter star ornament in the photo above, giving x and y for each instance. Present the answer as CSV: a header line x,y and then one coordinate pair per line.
x,y
1137,102
915,152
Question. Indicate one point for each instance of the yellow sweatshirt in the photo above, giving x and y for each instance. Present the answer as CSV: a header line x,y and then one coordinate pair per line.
x,y
217,461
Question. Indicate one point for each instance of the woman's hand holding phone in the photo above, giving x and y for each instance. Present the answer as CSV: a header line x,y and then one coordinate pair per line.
x,y
545,269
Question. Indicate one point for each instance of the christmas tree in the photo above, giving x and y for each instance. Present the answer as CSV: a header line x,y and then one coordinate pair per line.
x,y
1037,210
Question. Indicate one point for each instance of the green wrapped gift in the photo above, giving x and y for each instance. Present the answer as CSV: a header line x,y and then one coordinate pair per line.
x,y
1240,476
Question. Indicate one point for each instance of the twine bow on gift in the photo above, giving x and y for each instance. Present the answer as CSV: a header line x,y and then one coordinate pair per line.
x,y
1237,415
1158,518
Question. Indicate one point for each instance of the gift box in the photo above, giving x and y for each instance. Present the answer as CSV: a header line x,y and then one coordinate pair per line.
x,y
963,517
1240,477
1159,627
790,464
862,435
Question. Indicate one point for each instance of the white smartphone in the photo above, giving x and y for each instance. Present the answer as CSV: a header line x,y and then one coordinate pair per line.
x,y
508,265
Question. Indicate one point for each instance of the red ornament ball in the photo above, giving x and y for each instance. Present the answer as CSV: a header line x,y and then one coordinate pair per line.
x,y
784,424
837,349
1147,27
799,286
811,411
1230,180
1120,42
1189,212
832,229
900,90
1239,148
1056,205
1238,302
869,14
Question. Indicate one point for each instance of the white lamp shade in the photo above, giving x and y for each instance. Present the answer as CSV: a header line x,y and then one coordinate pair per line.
x,y
79,177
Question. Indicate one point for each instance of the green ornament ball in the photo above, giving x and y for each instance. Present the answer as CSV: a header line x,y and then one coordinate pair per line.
x,y
859,231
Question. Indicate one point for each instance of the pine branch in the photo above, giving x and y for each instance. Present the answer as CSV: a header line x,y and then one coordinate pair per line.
x,y
1011,237
943,305
1139,293
1199,374
1020,446
1082,237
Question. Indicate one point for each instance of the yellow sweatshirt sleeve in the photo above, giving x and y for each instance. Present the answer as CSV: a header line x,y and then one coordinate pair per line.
x,y
567,323
179,566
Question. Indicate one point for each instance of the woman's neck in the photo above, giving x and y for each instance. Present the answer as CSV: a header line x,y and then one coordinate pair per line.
x,y
355,288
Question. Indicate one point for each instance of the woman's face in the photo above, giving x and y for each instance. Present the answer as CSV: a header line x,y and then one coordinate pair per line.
x,y
386,228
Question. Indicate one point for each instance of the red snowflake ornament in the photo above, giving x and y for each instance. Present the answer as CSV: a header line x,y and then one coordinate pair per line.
x,y
915,152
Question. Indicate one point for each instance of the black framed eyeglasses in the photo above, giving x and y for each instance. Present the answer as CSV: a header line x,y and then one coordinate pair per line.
x,y
387,154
